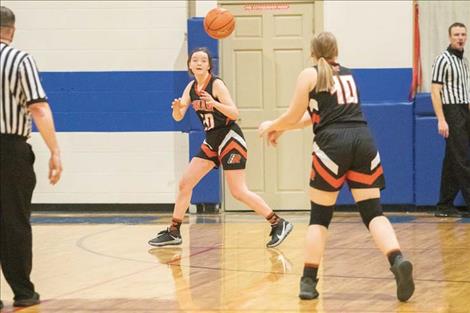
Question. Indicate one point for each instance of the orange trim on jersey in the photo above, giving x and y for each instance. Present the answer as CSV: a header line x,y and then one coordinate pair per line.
x,y
315,118
334,182
204,85
233,145
362,178
208,151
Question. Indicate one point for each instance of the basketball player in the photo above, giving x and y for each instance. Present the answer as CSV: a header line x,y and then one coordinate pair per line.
x,y
224,145
343,150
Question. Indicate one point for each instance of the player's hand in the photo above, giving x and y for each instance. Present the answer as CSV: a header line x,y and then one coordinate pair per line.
x,y
263,128
273,136
443,128
207,98
55,168
177,105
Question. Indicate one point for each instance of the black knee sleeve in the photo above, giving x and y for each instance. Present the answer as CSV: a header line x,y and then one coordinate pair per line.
x,y
369,209
320,214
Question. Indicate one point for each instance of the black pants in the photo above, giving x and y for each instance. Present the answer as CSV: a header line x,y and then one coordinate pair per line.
x,y
456,166
17,184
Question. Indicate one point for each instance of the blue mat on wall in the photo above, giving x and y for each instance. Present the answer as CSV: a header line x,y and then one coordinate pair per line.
x,y
392,127
423,105
115,101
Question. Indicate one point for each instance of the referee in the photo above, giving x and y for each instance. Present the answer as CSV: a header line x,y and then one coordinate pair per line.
x,y
23,98
450,93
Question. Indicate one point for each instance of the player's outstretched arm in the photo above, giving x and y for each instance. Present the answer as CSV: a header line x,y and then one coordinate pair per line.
x,y
295,114
180,105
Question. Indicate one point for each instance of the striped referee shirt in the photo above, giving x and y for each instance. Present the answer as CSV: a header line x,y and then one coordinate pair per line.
x,y
452,70
20,87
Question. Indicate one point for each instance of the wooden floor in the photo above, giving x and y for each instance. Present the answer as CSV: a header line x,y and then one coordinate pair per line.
x,y
102,263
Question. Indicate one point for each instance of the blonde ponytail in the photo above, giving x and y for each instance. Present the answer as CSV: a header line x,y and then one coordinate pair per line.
x,y
324,49
325,80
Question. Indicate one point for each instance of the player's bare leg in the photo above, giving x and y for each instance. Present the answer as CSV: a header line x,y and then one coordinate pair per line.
x,y
280,228
197,169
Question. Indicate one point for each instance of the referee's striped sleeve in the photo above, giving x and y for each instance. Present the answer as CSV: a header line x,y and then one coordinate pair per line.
x,y
439,70
30,82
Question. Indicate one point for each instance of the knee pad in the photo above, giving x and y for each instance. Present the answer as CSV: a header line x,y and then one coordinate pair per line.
x,y
320,214
369,209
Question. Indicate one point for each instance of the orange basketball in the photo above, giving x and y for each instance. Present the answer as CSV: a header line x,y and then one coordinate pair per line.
x,y
219,23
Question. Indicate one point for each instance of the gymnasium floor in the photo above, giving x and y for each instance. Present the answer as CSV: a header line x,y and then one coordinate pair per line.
x,y
101,263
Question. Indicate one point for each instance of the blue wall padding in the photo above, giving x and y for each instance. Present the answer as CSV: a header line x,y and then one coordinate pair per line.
x,y
115,101
423,105
197,37
194,122
384,84
209,188
392,127
429,149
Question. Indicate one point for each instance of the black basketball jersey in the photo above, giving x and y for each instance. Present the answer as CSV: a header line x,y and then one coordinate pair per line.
x,y
210,117
340,106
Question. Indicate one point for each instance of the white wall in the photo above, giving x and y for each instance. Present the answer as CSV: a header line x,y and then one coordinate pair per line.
x,y
372,34
204,6
102,35
113,167
76,36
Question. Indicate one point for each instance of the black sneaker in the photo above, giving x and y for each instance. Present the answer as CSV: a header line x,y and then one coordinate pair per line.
x,y
27,302
465,213
443,211
308,288
403,271
166,237
279,232
1,304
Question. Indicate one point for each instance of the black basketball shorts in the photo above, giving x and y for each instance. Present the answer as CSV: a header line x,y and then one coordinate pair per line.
x,y
345,154
225,146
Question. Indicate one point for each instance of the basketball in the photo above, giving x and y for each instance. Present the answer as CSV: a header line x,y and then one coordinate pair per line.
x,y
219,23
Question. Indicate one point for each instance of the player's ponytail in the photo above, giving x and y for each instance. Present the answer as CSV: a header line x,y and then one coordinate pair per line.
x,y
325,50
325,80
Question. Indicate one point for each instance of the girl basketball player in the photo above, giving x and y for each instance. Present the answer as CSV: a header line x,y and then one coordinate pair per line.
x,y
224,145
343,150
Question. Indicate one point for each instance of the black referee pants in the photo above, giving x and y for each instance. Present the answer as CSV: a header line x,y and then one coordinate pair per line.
x,y
456,166
17,183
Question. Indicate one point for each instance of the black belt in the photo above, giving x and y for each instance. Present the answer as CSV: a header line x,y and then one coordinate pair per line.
x,y
462,104
12,137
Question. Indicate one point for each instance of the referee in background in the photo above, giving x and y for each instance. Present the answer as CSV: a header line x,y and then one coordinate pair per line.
x,y
450,93
23,98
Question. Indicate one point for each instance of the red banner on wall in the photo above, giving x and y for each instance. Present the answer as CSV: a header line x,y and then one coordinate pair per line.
x,y
266,6
417,72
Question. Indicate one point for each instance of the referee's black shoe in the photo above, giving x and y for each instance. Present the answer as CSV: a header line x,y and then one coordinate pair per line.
x,y
465,213
28,301
403,271
447,211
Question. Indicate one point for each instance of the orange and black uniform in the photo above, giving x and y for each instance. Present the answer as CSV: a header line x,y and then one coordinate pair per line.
x,y
343,148
224,143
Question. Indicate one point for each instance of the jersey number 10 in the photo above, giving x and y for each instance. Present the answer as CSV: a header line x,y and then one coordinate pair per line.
x,y
346,90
